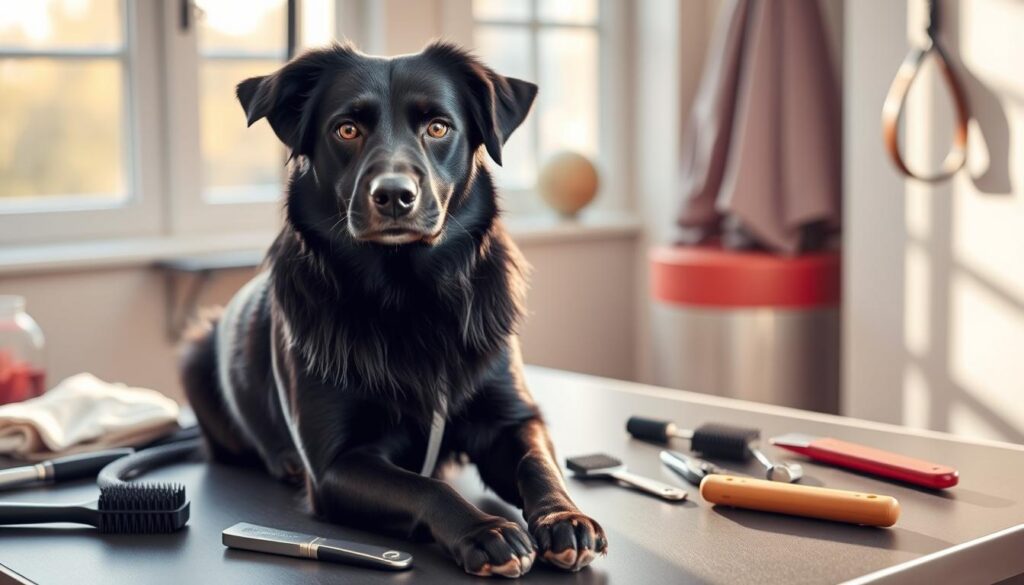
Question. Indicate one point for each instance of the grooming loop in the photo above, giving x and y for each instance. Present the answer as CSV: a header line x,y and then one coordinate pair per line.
x,y
892,110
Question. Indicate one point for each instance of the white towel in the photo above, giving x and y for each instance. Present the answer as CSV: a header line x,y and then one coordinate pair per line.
x,y
84,413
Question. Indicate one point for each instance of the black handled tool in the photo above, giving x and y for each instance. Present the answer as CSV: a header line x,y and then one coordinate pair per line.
x,y
716,440
61,468
712,440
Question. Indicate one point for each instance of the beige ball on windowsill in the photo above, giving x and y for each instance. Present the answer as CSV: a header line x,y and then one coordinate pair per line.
x,y
567,182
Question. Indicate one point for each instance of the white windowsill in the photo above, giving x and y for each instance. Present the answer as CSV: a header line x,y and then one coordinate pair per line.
x,y
133,252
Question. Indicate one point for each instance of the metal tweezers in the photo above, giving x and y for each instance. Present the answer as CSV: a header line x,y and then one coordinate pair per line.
x,y
691,469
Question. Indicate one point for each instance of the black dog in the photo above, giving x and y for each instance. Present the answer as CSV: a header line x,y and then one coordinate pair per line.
x,y
388,304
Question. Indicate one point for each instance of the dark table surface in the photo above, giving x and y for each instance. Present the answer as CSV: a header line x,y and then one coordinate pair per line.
x,y
650,541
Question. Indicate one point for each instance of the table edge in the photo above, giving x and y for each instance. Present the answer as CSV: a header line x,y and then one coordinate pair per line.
x,y
990,559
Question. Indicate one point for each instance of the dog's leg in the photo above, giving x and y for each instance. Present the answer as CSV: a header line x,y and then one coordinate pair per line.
x,y
364,489
351,479
565,537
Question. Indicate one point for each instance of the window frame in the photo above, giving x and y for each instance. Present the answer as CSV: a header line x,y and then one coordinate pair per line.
x,y
139,214
189,213
458,24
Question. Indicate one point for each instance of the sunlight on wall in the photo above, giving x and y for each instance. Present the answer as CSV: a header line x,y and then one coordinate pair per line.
x,y
986,333
963,256
917,300
916,397
964,420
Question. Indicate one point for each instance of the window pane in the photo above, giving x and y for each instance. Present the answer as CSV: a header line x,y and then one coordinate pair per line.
x,y
568,11
569,91
507,50
246,26
239,163
56,24
61,132
518,10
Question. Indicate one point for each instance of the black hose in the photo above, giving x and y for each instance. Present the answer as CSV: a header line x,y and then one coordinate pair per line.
x,y
131,466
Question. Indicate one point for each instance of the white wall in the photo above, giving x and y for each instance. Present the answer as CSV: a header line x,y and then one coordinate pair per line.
x,y
670,40
934,275
111,322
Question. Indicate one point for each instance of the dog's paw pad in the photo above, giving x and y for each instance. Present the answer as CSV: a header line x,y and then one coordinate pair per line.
x,y
568,539
495,547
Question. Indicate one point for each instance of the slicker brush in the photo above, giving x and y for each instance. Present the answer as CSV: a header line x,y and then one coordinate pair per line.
x,y
136,508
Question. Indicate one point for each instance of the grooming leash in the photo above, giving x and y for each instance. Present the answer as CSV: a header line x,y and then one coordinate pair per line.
x,y
434,442
892,110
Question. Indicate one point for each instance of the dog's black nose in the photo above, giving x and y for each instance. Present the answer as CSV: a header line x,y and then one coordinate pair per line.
x,y
394,194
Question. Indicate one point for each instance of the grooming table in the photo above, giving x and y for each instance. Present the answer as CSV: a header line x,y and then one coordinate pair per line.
x,y
972,533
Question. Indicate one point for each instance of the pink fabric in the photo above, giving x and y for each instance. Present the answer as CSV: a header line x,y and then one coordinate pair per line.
x,y
761,162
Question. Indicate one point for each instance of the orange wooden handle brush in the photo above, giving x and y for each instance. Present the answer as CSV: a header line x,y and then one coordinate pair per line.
x,y
800,500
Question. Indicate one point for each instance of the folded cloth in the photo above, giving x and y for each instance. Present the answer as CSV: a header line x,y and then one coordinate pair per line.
x,y
84,413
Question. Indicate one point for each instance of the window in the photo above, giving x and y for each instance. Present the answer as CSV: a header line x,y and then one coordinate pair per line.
x,y
222,173
64,139
558,46
118,117
238,39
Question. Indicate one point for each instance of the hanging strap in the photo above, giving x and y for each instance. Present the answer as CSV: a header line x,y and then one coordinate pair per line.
x,y
892,110
436,434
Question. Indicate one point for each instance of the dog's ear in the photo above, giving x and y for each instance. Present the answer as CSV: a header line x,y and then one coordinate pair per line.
x,y
284,97
498,104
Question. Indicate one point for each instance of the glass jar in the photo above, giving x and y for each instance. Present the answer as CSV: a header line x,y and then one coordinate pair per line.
x,y
22,367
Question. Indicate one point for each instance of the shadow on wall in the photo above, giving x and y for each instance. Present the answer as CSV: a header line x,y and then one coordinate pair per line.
x,y
959,372
989,135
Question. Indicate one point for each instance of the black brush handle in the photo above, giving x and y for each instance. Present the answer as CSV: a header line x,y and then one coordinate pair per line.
x,y
46,513
649,429
84,464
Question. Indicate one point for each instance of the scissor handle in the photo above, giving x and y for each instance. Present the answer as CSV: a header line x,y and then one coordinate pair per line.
x,y
892,111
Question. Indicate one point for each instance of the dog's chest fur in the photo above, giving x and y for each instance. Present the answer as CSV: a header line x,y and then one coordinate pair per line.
x,y
405,327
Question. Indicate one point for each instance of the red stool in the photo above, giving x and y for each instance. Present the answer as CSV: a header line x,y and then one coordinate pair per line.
x,y
748,325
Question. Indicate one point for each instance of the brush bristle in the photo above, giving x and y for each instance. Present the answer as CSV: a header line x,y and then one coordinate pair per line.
x,y
723,441
142,508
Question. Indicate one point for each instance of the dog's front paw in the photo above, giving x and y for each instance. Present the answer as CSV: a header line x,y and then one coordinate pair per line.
x,y
568,539
495,547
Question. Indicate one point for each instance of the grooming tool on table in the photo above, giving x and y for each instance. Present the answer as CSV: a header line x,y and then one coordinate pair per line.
x,y
691,469
118,471
716,440
600,465
801,500
870,460
787,471
128,509
247,536
61,468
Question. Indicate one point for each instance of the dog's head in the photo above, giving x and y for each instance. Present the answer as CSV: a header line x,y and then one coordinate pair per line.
x,y
387,143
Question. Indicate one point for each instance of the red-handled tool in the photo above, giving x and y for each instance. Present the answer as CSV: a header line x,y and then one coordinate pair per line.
x,y
870,460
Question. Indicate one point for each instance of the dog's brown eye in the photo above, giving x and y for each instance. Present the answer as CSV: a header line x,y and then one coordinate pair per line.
x,y
348,131
437,129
